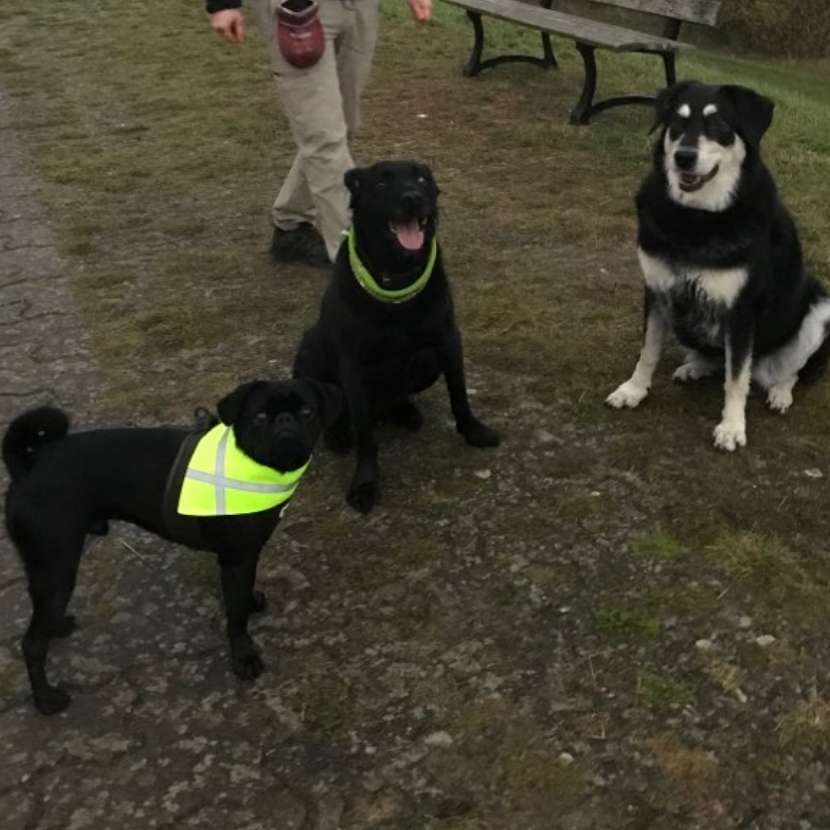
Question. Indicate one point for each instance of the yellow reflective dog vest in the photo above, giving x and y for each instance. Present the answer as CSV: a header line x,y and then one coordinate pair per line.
x,y
221,480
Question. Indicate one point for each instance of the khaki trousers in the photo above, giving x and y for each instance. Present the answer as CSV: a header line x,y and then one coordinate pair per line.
x,y
322,107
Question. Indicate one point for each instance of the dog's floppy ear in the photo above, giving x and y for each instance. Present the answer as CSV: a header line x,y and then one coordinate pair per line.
x,y
666,101
754,112
354,180
231,405
329,400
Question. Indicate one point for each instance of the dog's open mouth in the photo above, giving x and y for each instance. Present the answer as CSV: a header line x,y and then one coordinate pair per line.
x,y
410,233
690,182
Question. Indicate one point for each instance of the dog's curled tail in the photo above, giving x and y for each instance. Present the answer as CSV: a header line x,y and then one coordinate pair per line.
x,y
27,433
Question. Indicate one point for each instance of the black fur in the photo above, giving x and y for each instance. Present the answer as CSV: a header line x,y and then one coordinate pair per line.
x,y
382,353
756,231
67,485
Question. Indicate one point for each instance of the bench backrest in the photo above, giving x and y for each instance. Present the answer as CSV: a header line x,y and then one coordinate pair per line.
x,y
689,11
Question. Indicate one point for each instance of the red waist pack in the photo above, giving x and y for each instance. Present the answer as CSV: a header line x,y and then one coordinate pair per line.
x,y
299,32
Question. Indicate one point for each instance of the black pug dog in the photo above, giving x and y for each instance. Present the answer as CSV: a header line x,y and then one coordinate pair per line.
x,y
66,486
387,326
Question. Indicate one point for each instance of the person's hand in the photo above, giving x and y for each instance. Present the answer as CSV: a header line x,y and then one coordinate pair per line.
x,y
421,9
230,23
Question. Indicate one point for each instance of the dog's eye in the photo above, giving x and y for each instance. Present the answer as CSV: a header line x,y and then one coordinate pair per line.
x,y
380,186
261,418
306,412
421,180
719,130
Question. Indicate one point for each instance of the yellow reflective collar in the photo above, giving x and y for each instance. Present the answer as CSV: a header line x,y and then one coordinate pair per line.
x,y
221,480
369,284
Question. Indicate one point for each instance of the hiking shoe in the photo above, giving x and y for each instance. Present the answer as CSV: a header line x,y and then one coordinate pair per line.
x,y
303,245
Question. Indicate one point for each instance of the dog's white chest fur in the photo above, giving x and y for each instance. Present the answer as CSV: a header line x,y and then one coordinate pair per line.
x,y
719,286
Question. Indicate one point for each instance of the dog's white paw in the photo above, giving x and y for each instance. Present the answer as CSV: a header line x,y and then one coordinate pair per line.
x,y
627,395
693,370
780,398
729,435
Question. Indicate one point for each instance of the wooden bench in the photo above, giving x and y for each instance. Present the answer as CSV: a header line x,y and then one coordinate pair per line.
x,y
590,35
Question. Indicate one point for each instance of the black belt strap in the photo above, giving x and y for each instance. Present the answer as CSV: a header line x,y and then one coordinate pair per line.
x,y
186,530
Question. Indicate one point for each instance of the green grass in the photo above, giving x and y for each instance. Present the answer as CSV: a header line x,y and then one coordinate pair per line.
x,y
662,691
658,546
778,578
621,623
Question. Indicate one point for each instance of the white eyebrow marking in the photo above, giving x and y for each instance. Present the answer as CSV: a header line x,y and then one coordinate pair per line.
x,y
684,110
710,109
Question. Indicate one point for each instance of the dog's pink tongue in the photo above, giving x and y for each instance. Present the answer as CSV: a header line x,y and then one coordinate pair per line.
x,y
409,234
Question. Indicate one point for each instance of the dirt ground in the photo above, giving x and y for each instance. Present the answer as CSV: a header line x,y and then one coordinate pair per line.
x,y
603,624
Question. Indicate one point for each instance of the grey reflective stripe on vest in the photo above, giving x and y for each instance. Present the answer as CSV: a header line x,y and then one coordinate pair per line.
x,y
220,481
219,471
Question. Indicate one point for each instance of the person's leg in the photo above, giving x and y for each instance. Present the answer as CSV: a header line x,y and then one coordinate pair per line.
x,y
313,104
354,56
294,205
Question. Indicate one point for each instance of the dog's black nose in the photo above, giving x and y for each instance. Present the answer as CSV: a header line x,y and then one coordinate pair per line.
x,y
284,420
412,200
685,157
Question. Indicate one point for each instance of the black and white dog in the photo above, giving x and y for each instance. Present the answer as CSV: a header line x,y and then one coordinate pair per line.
x,y
721,258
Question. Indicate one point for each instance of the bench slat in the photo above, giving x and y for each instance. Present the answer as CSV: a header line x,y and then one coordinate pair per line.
x,y
690,11
591,32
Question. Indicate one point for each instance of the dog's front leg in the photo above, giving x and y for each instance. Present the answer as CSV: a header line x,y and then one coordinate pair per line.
x,y
238,577
364,489
474,431
730,433
634,390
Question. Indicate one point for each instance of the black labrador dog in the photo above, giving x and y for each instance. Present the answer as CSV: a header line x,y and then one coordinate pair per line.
x,y
66,486
387,326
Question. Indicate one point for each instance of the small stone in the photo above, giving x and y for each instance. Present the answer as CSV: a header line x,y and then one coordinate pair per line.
x,y
745,622
517,563
704,645
814,472
765,640
566,759
482,474
544,437
373,782
439,739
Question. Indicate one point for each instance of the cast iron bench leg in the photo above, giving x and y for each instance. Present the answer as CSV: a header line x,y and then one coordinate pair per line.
x,y
582,112
671,70
473,65
547,49
549,58
586,108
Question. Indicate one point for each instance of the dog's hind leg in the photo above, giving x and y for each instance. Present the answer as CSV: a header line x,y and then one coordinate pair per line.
x,y
780,395
53,567
696,366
